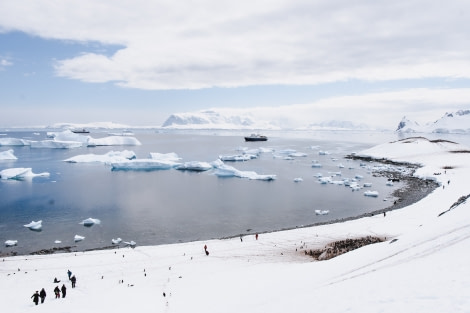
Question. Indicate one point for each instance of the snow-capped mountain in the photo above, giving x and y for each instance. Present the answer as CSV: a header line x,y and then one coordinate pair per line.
x,y
214,120
451,123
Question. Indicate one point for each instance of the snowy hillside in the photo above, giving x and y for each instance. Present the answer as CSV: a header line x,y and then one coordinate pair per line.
x,y
450,123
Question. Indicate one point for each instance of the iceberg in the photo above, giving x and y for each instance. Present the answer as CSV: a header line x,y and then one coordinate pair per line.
x,y
143,164
7,155
229,171
369,193
107,158
194,166
78,238
14,142
57,241
90,222
34,226
19,173
237,157
114,141
131,243
68,135
55,144
116,241
322,212
298,179
11,243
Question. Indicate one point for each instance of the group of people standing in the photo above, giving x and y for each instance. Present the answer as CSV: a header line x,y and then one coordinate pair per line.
x,y
42,295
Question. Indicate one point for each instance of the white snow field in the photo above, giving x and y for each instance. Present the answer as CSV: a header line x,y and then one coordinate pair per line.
x,y
423,266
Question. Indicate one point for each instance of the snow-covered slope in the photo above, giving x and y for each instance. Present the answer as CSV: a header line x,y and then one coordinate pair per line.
x,y
451,123
422,266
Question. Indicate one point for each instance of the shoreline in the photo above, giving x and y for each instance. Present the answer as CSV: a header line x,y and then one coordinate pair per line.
x,y
414,190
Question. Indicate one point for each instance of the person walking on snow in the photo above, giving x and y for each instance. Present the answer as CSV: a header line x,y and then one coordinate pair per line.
x,y
57,292
64,291
74,280
42,294
69,273
35,297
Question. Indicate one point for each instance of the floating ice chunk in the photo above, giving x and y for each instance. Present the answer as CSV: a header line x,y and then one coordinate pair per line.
x,y
57,241
322,212
90,222
315,164
34,226
367,185
116,241
78,238
318,175
56,144
369,193
143,164
325,180
298,179
389,183
235,158
107,158
287,151
323,152
114,141
131,243
68,135
359,176
340,165
8,155
14,142
194,166
229,171
297,154
11,243
20,173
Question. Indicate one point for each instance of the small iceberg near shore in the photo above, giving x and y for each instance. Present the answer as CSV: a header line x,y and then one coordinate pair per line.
x,y
34,226
20,173
131,243
322,212
78,238
90,222
369,193
11,243
223,170
8,155
116,241
194,166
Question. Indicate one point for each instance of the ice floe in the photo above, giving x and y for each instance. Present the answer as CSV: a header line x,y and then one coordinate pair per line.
x,y
107,158
223,170
7,155
194,166
14,142
11,243
143,164
116,241
370,193
90,222
322,212
298,179
78,238
34,226
55,144
20,173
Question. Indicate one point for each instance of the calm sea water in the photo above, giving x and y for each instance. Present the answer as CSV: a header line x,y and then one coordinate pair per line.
x,y
169,206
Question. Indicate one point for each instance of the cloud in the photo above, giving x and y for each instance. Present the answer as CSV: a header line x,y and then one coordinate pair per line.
x,y
382,110
201,44
4,63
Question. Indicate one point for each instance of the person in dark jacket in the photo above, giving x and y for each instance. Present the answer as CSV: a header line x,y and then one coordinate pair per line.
x,y
69,273
42,295
35,297
57,292
64,290
74,280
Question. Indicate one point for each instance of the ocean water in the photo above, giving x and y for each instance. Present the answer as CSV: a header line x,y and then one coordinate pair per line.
x,y
169,206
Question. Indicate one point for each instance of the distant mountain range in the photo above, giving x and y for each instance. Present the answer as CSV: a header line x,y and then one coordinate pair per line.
x,y
451,123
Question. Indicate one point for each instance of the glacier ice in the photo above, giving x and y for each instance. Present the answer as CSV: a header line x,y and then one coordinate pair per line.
x,y
34,226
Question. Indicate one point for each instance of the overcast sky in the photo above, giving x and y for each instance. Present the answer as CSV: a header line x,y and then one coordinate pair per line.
x,y
136,62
